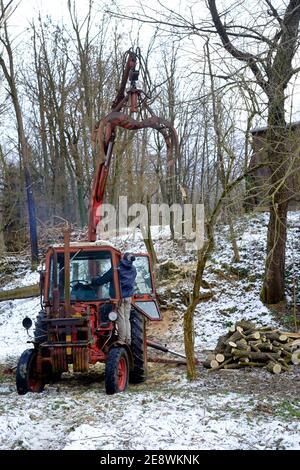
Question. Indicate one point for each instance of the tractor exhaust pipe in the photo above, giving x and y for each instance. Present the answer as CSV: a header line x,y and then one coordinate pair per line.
x,y
67,271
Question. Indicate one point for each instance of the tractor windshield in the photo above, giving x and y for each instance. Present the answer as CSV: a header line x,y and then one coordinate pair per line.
x,y
86,267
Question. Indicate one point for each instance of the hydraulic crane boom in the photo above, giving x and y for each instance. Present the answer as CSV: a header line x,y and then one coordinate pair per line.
x,y
126,104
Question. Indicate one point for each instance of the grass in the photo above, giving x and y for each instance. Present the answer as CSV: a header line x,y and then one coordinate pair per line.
x,y
6,376
288,409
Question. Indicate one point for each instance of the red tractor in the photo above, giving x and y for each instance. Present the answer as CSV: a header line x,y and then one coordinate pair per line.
x,y
77,323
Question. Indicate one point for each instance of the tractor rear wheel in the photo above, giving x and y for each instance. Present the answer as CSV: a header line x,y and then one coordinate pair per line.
x,y
27,378
116,371
138,348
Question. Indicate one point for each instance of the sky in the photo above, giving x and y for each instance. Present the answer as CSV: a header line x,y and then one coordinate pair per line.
x,y
27,9
58,9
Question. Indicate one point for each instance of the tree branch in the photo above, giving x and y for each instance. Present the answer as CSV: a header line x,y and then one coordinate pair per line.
x,y
274,12
237,53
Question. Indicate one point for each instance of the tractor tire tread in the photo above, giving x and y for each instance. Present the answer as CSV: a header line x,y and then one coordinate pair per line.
x,y
138,373
111,370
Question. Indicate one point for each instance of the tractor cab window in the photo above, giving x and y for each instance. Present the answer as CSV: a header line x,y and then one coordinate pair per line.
x,y
149,308
85,267
143,281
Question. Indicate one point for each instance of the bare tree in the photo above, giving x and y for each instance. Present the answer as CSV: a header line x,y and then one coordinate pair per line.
x,y
272,70
10,76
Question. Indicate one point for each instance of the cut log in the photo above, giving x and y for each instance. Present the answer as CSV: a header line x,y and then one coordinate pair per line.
x,y
20,293
291,335
275,368
231,344
244,360
272,336
244,364
286,347
277,344
221,344
265,347
296,357
221,366
246,325
236,336
253,335
240,329
283,364
256,356
220,357
287,352
210,356
283,338
243,346
213,364
244,341
296,342
249,331
267,329
255,342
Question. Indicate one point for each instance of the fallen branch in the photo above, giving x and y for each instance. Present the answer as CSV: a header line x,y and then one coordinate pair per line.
x,y
20,293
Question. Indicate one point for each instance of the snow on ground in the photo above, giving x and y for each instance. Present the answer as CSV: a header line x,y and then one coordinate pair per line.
x,y
30,277
244,409
171,414
13,337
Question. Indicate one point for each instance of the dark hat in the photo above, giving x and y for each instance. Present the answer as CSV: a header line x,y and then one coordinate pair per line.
x,y
129,257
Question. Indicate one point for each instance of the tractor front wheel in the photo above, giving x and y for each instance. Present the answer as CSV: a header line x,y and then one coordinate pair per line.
x,y
27,378
116,371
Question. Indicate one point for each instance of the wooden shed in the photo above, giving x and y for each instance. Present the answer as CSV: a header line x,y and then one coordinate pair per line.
x,y
258,183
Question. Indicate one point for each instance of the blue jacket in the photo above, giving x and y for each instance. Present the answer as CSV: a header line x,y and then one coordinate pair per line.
x,y
127,275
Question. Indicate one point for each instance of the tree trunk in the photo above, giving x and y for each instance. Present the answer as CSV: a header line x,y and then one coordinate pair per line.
x,y
273,284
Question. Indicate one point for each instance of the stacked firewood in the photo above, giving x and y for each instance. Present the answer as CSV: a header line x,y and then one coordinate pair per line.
x,y
246,345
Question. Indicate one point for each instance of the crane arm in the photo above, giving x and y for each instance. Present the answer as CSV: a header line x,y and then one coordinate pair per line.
x,y
105,131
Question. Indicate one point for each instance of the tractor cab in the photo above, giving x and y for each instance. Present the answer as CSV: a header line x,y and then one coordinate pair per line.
x,y
74,282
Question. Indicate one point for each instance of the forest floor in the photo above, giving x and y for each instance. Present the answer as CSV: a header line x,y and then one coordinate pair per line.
x,y
225,409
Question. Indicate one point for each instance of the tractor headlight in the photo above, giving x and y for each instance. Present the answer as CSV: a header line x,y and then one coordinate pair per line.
x,y
112,316
27,323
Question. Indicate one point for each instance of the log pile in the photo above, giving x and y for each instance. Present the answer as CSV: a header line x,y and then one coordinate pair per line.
x,y
246,345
